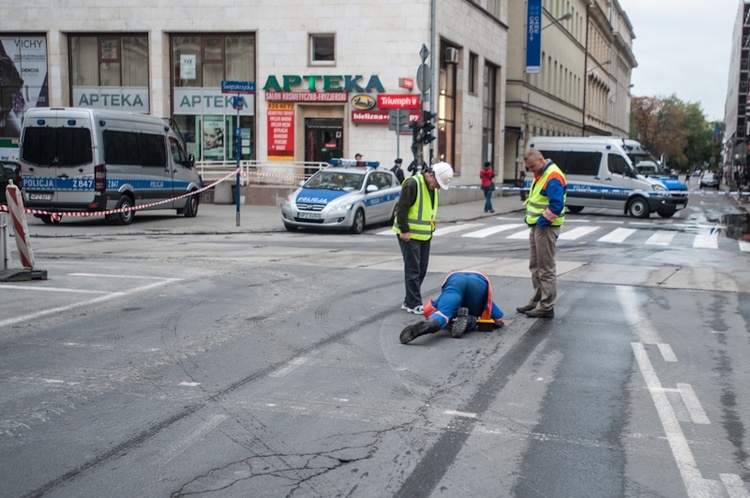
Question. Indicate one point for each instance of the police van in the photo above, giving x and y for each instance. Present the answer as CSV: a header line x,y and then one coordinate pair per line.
x,y
600,173
76,159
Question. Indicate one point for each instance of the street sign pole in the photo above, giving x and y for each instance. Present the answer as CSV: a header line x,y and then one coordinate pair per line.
x,y
237,150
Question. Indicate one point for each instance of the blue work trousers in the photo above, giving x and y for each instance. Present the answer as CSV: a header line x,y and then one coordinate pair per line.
x,y
416,255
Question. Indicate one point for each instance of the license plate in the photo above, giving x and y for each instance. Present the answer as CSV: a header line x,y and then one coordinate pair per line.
x,y
309,216
39,197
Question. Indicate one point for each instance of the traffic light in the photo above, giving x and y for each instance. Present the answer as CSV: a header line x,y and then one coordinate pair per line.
x,y
428,125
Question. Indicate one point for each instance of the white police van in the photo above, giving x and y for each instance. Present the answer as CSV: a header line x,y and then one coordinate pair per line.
x,y
601,173
77,159
346,195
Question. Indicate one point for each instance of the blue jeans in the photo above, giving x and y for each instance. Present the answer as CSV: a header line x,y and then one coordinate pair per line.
x,y
488,200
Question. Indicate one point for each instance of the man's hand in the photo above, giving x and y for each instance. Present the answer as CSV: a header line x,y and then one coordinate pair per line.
x,y
405,236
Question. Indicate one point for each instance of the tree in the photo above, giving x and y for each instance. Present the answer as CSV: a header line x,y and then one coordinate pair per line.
x,y
678,130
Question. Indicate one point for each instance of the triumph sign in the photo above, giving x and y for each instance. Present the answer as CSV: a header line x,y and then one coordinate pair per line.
x,y
399,101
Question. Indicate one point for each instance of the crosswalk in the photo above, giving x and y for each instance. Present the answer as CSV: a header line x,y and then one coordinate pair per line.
x,y
697,236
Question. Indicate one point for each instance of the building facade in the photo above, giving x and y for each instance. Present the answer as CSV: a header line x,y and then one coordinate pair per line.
x,y
736,144
582,86
327,74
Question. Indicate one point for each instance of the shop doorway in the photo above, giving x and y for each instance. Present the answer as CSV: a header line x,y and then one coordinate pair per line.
x,y
324,139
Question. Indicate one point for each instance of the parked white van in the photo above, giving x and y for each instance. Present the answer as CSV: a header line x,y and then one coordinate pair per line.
x,y
601,173
77,159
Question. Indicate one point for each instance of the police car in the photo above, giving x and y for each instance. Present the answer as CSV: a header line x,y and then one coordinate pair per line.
x,y
346,195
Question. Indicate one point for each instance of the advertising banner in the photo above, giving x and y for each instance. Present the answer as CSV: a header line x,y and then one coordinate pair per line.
x,y
534,36
280,132
23,80
118,98
213,138
197,101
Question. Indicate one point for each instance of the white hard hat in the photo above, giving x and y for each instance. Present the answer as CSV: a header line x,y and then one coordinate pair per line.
x,y
443,174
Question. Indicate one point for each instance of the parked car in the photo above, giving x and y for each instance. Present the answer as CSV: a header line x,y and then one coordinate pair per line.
x,y
343,196
709,180
8,171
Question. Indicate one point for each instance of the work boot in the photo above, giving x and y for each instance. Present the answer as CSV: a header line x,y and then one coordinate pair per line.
x,y
462,323
524,309
537,313
420,328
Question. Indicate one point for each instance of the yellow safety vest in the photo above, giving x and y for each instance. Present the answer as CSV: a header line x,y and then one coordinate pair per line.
x,y
537,203
421,216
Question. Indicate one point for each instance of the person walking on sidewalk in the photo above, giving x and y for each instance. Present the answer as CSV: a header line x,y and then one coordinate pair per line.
x,y
465,297
414,224
486,174
545,214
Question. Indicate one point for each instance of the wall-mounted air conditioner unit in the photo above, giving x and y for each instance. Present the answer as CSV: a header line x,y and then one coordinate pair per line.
x,y
451,55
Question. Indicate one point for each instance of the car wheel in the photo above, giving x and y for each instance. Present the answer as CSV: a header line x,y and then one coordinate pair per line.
x,y
574,209
126,217
191,206
638,208
358,225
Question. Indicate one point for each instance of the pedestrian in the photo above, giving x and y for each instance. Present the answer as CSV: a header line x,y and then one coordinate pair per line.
x,y
545,214
486,174
465,297
396,169
358,159
414,224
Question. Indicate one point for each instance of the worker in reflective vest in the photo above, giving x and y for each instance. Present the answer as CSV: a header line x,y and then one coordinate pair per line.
x,y
545,214
414,224
465,297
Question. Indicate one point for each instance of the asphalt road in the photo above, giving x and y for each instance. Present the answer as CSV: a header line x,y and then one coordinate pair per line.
x,y
268,364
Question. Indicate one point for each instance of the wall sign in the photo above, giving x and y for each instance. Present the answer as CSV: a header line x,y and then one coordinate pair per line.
x,y
196,101
325,83
280,132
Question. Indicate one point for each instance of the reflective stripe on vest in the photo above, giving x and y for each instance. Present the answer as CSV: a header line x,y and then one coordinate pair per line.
x,y
537,204
421,216
487,313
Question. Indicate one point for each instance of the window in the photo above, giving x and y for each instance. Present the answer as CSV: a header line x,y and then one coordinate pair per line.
x,y
473,61
57,146
322,49
617,164
206,60
127,147
575,163
489,109
109,60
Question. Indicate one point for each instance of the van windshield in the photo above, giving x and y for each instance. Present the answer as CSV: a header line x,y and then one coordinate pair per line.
x,y
56,146
647,165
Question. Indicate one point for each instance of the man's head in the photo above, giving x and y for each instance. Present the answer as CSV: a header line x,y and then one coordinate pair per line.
x,y
398,161
534,161
439,176
358,156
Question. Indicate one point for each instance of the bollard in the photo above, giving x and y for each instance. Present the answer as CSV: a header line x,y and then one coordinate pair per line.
x,y
21,230
4,253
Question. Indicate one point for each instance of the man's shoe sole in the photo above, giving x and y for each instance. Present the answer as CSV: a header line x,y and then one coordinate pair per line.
x,y
413,331
524,309
460,323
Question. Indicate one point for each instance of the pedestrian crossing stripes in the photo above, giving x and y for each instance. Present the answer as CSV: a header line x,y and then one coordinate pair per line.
x,y
689,236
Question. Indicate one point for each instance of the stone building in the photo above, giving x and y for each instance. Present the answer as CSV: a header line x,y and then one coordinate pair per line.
x,y
326,72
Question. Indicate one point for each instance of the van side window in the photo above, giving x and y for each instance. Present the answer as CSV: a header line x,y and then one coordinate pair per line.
x,y
153,151
617,164
57,146
121,147
178,155
576,163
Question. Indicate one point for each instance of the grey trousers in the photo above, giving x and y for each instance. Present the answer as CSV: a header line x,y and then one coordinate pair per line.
x,y
542,245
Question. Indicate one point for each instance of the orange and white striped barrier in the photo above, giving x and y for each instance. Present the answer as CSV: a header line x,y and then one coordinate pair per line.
x,y
18,219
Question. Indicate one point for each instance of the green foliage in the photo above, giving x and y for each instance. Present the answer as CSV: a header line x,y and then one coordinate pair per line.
x,y
676,129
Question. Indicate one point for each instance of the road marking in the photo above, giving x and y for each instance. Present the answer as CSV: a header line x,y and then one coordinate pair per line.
x,y
695,485
630,306
454,228
460,414
577,233
618,235
139,277
734,485
523,234
485,232
693,405
707,239
89,302
289,367
744,246
660,238
666,352
52,289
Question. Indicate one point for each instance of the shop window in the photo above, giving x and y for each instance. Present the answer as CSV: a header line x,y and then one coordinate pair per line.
x,y
106,60
322,49
206,60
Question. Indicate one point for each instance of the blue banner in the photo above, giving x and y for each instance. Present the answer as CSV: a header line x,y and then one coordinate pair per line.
x,y
534,36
